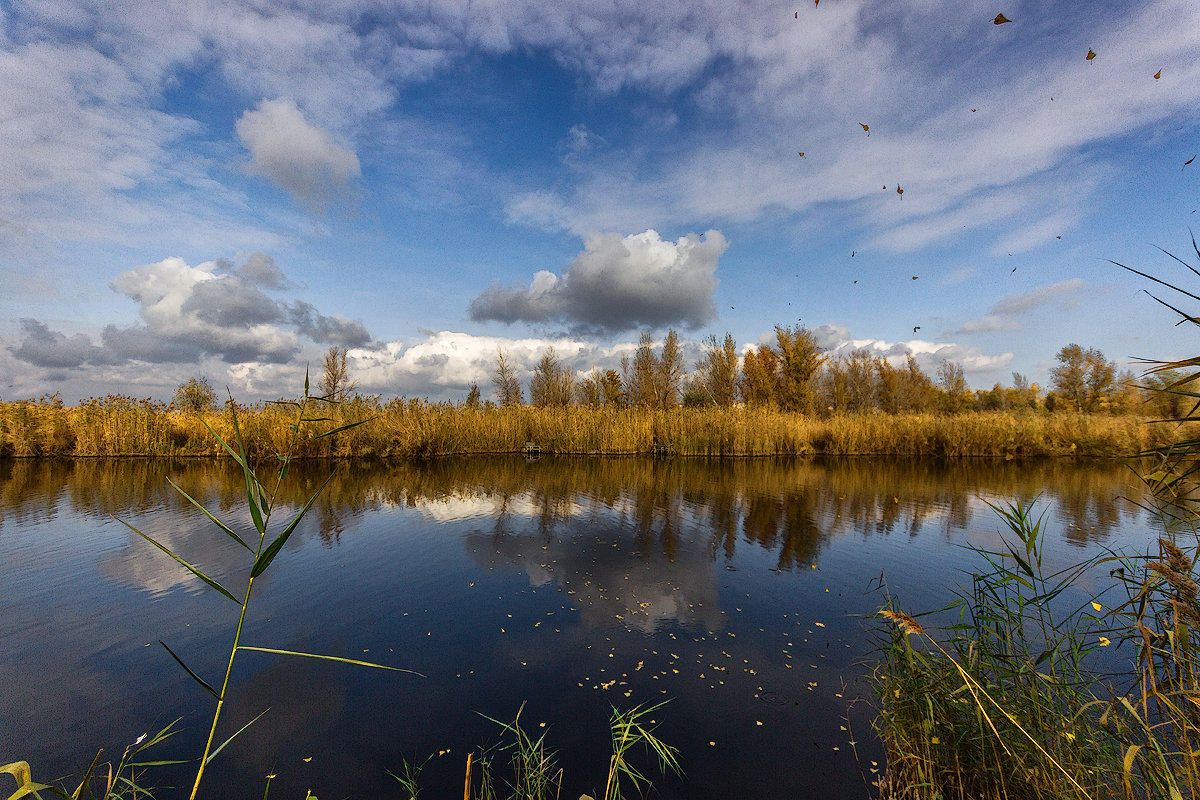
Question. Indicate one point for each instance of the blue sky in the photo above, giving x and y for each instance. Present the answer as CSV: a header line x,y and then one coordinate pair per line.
x,y
226,189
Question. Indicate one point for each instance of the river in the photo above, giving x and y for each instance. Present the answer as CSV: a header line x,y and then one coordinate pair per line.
x,y
740,591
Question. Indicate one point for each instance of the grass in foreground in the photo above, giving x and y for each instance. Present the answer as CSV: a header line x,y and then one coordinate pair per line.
x,y
533,771
1017,700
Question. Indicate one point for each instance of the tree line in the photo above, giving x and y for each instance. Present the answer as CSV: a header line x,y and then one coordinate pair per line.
x,y
793,373
790,373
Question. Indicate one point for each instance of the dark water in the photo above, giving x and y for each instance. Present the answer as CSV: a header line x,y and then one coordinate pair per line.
x,y
736,590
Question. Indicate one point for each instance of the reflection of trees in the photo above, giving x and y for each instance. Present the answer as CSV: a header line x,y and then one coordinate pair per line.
x,y
784,506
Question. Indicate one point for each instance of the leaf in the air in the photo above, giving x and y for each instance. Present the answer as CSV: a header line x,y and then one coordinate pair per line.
x,y
1000,19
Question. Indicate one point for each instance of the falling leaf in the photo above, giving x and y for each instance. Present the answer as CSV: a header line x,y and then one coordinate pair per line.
x,y
308,759
1158,75
1097,606
900,192
972,111
802,155
1190,160
1091,54
916,328
866,128
914,277
1000,19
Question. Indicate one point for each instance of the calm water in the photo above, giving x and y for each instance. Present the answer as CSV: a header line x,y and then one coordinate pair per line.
x,y
736,590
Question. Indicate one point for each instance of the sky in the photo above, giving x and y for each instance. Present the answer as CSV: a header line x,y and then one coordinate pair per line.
x,y
226,189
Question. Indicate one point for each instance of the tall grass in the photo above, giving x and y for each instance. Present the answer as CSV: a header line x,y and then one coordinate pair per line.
x,y
533,772
415,429
1012,702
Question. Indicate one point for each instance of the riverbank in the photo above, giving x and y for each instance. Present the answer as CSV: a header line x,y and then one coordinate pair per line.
x,y
118,426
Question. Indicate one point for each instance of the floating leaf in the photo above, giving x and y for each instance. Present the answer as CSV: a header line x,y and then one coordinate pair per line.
x,y
1097,606
1000,19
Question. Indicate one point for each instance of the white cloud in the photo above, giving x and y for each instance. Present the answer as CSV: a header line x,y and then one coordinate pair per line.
x,y
616,284
296,155
1005,313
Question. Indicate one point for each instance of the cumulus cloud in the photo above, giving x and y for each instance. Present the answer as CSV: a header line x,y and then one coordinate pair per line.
x,y
617,284
1004,315
188,313
296,155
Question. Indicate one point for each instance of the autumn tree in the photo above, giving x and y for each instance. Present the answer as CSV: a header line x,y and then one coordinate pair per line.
x,y
799,358
717,371
195,394
552,383
335,383
473,396
1083,378
504,379
638,372
955,396
668,373
756,384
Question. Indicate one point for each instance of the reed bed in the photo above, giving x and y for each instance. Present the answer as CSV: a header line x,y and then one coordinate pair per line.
x,y
414,429
1028,697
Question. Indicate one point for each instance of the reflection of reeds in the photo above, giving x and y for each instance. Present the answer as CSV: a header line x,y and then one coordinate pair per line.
x,y
412,429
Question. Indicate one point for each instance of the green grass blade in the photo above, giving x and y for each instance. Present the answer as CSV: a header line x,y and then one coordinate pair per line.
x,y
194,570
253,490
221,747
268,555
87,777
331,658
216,521
26,785
341,428
189,671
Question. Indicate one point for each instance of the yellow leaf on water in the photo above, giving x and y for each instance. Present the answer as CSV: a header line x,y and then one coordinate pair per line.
x,y
1097,606
1105,641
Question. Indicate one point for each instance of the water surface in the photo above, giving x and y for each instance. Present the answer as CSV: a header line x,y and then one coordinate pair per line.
x,y
737,590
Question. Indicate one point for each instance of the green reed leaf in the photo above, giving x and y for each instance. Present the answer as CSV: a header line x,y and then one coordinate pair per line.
x,y
189,671
221,747
215,521
192,569
328,658
87,777
342,428
267,556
